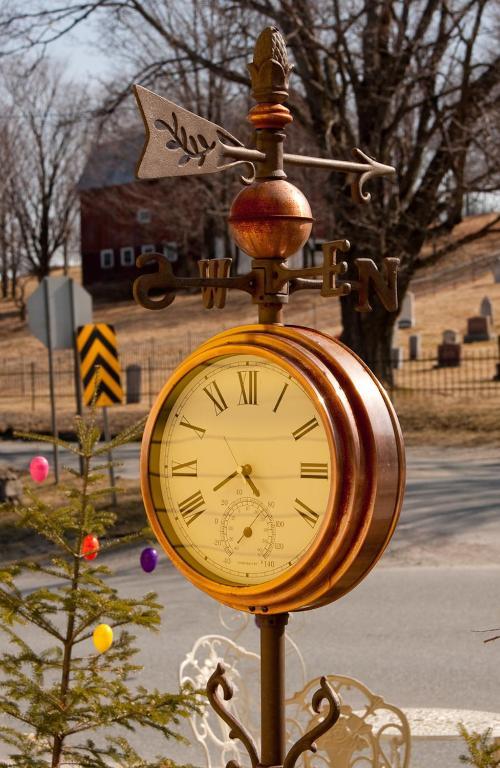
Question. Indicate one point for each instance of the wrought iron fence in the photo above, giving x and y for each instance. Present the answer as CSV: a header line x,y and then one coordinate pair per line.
x,y
25,383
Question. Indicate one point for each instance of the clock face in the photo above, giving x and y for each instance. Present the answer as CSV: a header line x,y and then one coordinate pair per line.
x,y
240,469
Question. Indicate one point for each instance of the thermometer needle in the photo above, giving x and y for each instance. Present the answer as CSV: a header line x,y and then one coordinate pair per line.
x,y
248,530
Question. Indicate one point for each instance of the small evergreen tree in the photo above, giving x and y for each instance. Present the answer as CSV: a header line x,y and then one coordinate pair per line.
x,y
63,700
483,752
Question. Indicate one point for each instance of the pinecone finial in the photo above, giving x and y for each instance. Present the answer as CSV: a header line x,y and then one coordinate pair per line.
x,y
270,69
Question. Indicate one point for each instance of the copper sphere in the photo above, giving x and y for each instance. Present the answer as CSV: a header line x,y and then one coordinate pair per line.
x,y
270,219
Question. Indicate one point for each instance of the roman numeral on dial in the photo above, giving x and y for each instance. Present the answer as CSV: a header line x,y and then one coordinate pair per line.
x,y
216,396
280,398
309,515
305,428
190,507
185,469
198,430
313,471
248,384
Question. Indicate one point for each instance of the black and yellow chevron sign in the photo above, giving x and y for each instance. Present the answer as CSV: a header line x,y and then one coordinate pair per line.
x,y
99,362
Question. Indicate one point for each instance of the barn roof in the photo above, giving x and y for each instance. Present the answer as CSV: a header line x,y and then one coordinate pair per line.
x,y
112,163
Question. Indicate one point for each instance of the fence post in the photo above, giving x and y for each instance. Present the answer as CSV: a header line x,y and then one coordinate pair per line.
x,y
150,382
32,377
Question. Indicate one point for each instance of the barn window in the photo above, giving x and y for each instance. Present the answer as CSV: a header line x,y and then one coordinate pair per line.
x,y
147,248
171,251
127,256
107,258
144,216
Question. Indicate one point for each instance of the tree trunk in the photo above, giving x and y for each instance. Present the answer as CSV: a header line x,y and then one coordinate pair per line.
x,y
369,335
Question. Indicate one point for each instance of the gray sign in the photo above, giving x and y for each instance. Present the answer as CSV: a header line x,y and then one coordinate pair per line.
x,y
63,304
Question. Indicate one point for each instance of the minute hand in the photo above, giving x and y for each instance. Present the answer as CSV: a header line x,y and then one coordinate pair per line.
x,y
226,480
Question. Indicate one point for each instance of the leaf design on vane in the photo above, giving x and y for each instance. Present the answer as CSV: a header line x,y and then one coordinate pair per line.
x,y
194,147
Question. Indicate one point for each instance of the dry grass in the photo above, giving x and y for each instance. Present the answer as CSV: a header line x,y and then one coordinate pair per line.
x,y
18,543
435,419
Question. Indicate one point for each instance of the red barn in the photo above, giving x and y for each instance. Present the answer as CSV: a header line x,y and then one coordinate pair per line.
x,y
121,218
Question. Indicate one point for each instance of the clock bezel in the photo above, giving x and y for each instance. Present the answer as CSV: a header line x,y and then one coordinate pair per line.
x,y
251,596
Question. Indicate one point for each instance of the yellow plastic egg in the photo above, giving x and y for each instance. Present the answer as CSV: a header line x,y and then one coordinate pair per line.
x,y
103,637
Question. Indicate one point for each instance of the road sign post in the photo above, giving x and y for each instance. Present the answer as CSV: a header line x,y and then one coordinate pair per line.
x,y
101,376
55,310
53,413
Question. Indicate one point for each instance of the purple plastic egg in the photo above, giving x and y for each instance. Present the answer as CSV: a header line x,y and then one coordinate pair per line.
x,y
149,559
39,469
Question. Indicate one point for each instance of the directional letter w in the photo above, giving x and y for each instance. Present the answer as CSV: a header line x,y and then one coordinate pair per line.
x,y
214,269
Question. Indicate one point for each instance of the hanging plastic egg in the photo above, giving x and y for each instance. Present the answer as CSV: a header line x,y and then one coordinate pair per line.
x,y
149,559
102,637
39,469
90,547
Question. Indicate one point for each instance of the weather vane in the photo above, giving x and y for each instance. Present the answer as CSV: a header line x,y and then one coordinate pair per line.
x,y
270,219
272,462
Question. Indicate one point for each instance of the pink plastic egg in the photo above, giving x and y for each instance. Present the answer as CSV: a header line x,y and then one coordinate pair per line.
x,y
39,469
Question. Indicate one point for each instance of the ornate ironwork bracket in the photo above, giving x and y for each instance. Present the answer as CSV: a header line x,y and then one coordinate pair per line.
x,y
307,742
237,731
269,281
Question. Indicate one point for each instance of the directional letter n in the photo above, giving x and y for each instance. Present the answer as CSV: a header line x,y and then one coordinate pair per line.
x,y
384,283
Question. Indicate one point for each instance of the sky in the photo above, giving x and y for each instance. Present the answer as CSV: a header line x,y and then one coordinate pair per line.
x,y
78,50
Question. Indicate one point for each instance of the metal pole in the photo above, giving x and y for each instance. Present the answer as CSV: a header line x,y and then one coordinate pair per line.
x,y
272,687
76,359
107,437
48,320
32,376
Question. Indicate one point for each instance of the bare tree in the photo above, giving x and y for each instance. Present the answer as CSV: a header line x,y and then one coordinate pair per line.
x,y
48,135
414,83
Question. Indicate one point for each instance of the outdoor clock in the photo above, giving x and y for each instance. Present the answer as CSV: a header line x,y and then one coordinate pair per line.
x,y
273,468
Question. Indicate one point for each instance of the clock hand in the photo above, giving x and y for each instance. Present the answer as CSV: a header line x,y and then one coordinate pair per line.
x,y
246,471
226,480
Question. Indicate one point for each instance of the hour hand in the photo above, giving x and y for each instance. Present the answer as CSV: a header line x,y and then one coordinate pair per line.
x,y
246,471
226,480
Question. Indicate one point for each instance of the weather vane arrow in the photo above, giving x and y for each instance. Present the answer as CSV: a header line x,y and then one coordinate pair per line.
x,y
180,143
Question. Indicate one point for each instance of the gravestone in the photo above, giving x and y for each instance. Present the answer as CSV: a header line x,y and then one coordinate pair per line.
x,y
415,346
478,329
11,489
450,337
407,314
449,355
496,271
397,358
486,308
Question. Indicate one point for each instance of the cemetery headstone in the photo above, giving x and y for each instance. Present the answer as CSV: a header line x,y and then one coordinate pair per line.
x,y
397,358
450,337
478,329
449,355
486,308
415,346
496,271
407,314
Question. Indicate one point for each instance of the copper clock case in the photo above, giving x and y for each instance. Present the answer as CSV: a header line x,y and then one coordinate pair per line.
x,y
367,455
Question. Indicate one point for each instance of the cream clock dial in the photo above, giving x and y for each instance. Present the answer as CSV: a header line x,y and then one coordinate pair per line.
x,y
240,469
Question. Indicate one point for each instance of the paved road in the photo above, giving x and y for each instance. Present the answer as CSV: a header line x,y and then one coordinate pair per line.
x,y
450,516
406,631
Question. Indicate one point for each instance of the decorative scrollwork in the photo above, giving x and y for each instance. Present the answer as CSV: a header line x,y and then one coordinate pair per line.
x,y
237,731
373,168
307,742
